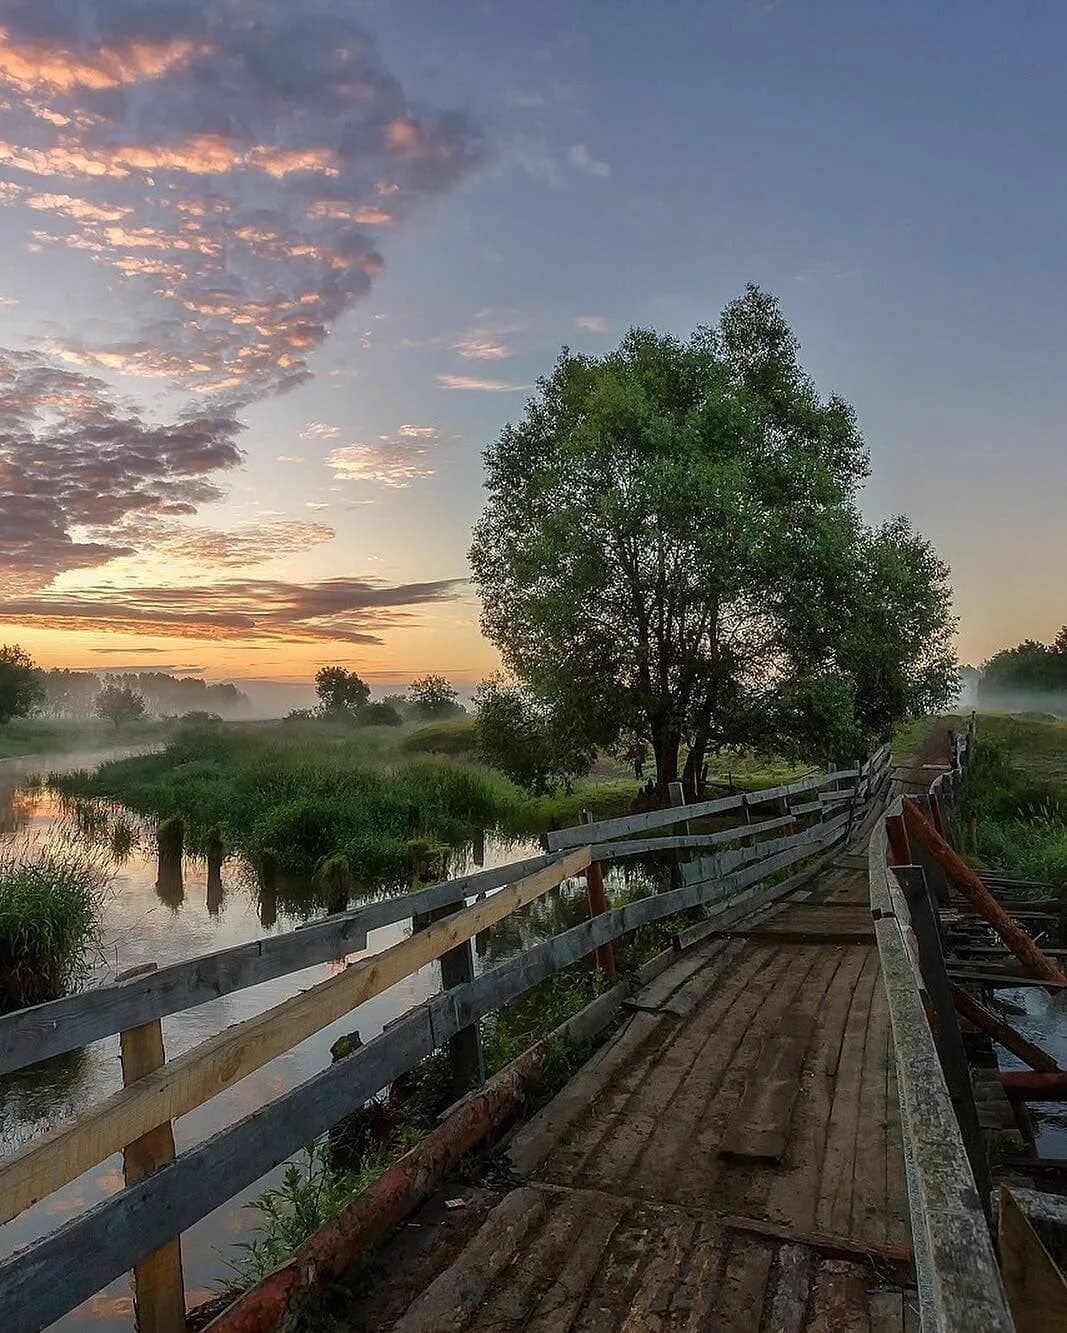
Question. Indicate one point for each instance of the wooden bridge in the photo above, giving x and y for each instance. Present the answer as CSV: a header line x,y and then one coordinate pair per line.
x,y
767,1141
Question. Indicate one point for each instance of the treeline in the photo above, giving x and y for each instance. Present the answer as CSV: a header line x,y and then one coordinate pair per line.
x,y
1027,670
73,694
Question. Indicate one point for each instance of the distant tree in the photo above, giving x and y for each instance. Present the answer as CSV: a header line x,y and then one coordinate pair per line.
x,y
433,697
119,705
672,548
340,691
21,687
533,743
380,714
1027,669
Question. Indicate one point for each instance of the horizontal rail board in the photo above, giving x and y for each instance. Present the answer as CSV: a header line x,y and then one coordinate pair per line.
x,y
74,1146
40,1284
606,829
74,1021
611,851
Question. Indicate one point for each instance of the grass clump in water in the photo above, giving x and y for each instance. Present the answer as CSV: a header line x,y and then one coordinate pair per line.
x,y
49,923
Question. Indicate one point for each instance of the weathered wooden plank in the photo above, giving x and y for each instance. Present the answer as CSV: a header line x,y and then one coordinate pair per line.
x,y
612,851
1036,1289
961,1286
759,1131
618,828
66,1024
71,1148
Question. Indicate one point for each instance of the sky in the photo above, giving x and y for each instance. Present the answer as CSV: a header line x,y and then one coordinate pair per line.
x,y
274,275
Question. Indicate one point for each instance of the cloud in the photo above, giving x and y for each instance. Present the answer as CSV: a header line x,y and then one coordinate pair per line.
x,y
237,175
76,463
348,610
479,385
482,347
318,430
391,460
592,323
581,158
246,545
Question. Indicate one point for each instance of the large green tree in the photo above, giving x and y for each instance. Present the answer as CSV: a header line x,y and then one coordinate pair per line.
x,y
671,546
340,692
21,689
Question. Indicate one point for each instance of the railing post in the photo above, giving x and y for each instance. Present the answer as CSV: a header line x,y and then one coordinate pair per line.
x,y
465,1058
947,1038
679,863
899,843
598,903
158,1286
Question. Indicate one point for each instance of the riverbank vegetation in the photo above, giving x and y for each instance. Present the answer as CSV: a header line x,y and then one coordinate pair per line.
x,y
50,904
1017,798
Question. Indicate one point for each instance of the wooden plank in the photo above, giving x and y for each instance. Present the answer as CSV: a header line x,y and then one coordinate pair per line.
x,y
759,1132
618,828
1036,1289
960,1277
193,1078
613,851
158,1286
827,1243
74,1021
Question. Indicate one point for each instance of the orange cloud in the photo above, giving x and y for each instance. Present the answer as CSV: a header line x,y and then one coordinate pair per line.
x,y
38,65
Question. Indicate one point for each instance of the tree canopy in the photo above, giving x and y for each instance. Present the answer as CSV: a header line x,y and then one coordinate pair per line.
x,y
20,683
671,547
119,705
340,691
433,696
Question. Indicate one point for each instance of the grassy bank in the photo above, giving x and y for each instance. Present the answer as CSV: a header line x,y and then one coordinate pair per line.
x,y
1017,798
49,922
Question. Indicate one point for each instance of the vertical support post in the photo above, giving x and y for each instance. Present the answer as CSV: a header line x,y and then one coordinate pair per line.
x,y
158,1286
947,1036
478,850
899,843
598,904
1033,1282
857,764
679,861
936,817
465,1058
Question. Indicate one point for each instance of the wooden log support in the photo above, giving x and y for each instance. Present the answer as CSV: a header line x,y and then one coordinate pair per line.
x,y
1034,1085
158,1286
1017,940
598,904
899,846
1033,1282
465,1057
1003,1033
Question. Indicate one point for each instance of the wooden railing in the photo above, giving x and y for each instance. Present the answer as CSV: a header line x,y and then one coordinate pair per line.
x,y
166,1194
960,1289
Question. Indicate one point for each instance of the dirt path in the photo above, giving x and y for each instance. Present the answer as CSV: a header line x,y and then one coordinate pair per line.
x,y
730,1160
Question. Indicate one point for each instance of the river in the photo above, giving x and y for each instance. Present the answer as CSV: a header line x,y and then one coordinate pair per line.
x,y
143,923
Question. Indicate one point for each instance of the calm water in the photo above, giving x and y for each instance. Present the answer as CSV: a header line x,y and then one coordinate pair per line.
x,y
146,924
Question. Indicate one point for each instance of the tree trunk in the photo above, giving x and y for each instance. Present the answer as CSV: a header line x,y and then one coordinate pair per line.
x,y
666,742
692,773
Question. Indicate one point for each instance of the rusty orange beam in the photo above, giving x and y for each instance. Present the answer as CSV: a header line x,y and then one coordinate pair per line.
x,y
598,903
324,1257
1010,932
899,846
1034,1085
1003,1033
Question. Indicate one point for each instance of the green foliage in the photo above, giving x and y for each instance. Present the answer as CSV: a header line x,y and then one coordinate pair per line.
x,y
671,547
1019,817
340,691
533,741
119,705
456,736
303,792
21,689
49,918
380,714
433,696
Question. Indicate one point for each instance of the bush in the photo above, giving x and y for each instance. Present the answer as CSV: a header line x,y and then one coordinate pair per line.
x,y
457,736
49,923
380,714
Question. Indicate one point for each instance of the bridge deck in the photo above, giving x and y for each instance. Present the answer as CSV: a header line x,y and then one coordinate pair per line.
x,y
730,1160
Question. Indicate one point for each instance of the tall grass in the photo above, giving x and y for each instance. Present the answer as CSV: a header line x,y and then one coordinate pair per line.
x,y
49,923
1019,819
297,799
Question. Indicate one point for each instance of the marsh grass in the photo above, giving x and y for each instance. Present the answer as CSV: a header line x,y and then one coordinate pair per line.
x,y
50,903
1018,814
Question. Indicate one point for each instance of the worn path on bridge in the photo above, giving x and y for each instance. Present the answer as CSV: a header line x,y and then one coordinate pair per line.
x,y
731,1159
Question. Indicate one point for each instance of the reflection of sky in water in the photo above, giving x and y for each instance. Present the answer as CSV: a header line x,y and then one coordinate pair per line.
x,y
143,924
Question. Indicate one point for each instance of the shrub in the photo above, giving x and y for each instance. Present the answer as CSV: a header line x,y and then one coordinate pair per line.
x,y
49,922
